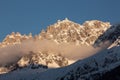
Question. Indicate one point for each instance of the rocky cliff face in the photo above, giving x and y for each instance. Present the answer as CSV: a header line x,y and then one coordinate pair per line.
x,y
67,31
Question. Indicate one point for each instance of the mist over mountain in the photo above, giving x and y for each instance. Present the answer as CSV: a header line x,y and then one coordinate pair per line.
x,y
81,51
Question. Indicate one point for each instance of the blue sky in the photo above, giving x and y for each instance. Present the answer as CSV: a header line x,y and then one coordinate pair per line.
x,y
27,16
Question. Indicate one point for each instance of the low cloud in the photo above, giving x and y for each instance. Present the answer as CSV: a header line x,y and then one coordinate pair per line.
x,y
12,53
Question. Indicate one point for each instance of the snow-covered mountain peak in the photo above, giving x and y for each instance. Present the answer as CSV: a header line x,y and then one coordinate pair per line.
x,y
67,31
64,24
97,24
66,20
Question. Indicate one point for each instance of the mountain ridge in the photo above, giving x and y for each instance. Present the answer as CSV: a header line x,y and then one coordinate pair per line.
x,y
64,31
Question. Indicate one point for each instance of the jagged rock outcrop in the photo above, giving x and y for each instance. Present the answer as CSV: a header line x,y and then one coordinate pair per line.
x,y
67,31
43,58
14,38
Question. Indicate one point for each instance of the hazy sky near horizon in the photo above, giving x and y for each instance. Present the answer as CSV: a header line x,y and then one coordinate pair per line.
x,y
27,16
